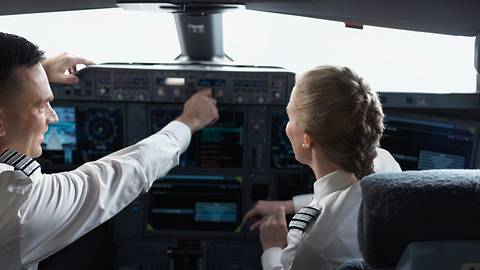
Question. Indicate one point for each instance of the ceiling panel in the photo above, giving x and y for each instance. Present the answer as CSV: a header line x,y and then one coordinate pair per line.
x,y
454,17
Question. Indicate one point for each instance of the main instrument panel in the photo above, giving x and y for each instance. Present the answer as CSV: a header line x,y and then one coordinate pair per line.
x,y
191,217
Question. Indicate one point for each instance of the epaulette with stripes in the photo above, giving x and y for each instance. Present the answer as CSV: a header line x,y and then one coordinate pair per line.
x,y
19,162
303,218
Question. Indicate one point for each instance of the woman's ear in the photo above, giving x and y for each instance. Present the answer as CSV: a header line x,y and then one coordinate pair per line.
x,y
307,141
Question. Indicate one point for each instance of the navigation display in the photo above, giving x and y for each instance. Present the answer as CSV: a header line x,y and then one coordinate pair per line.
x,y
217,146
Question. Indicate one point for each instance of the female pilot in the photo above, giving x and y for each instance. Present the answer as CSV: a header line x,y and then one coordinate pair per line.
x,y
335,123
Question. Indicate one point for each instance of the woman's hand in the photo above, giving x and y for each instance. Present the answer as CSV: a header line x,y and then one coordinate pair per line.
x,y
262,209
273,231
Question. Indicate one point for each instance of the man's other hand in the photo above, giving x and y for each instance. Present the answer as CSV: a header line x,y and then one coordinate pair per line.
x,y
60,68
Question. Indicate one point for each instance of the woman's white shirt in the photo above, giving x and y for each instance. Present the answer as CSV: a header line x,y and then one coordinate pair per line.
x,y
331,239
384,162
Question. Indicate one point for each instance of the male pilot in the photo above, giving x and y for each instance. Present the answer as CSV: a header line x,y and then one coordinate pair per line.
x,y
42,213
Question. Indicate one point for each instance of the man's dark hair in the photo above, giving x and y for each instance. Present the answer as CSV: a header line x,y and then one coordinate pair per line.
x,y
15,52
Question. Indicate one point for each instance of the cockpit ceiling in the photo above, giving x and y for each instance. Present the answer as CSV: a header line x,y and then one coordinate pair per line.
x,y
454,17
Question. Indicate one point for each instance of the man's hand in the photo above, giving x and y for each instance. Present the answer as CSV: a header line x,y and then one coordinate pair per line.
x,y
263,209
200,110
273,231
60,68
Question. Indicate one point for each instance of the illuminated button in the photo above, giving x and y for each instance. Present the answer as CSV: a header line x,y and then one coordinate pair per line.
x,y
161,91
261,99
103,90
276,94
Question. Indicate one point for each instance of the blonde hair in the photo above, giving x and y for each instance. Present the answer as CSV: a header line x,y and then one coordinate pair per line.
x,y
342,115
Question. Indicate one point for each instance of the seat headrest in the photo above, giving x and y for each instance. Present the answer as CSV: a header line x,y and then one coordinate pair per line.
x,y
404,207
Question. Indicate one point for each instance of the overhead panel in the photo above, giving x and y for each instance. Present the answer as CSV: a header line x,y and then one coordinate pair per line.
x,y
442,16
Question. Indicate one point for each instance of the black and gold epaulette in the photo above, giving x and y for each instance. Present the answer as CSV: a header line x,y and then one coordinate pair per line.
x,y
303,218
19,162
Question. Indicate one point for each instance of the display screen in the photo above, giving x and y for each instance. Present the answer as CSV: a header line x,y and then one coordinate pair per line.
x,y
211,82
250,83
161,116
217,146
82,135
195,203
420,143
61,138
282,155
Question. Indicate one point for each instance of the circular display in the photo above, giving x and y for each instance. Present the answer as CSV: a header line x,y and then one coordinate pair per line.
x,y
101,128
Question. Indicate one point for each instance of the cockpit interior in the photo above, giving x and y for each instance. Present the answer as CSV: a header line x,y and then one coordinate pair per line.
x,y
190,218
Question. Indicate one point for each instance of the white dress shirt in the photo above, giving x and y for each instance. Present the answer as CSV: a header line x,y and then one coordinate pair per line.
x,y
331,239
43,213
383,162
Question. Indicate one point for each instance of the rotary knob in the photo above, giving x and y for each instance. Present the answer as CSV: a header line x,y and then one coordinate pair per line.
x,y
120,95
161,91
141,96
103,90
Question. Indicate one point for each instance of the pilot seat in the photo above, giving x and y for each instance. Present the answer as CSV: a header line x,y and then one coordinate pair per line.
x,y
419,220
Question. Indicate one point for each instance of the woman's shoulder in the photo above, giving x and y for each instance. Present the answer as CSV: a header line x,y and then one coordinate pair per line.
x,y
337,222
385,162
336,209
